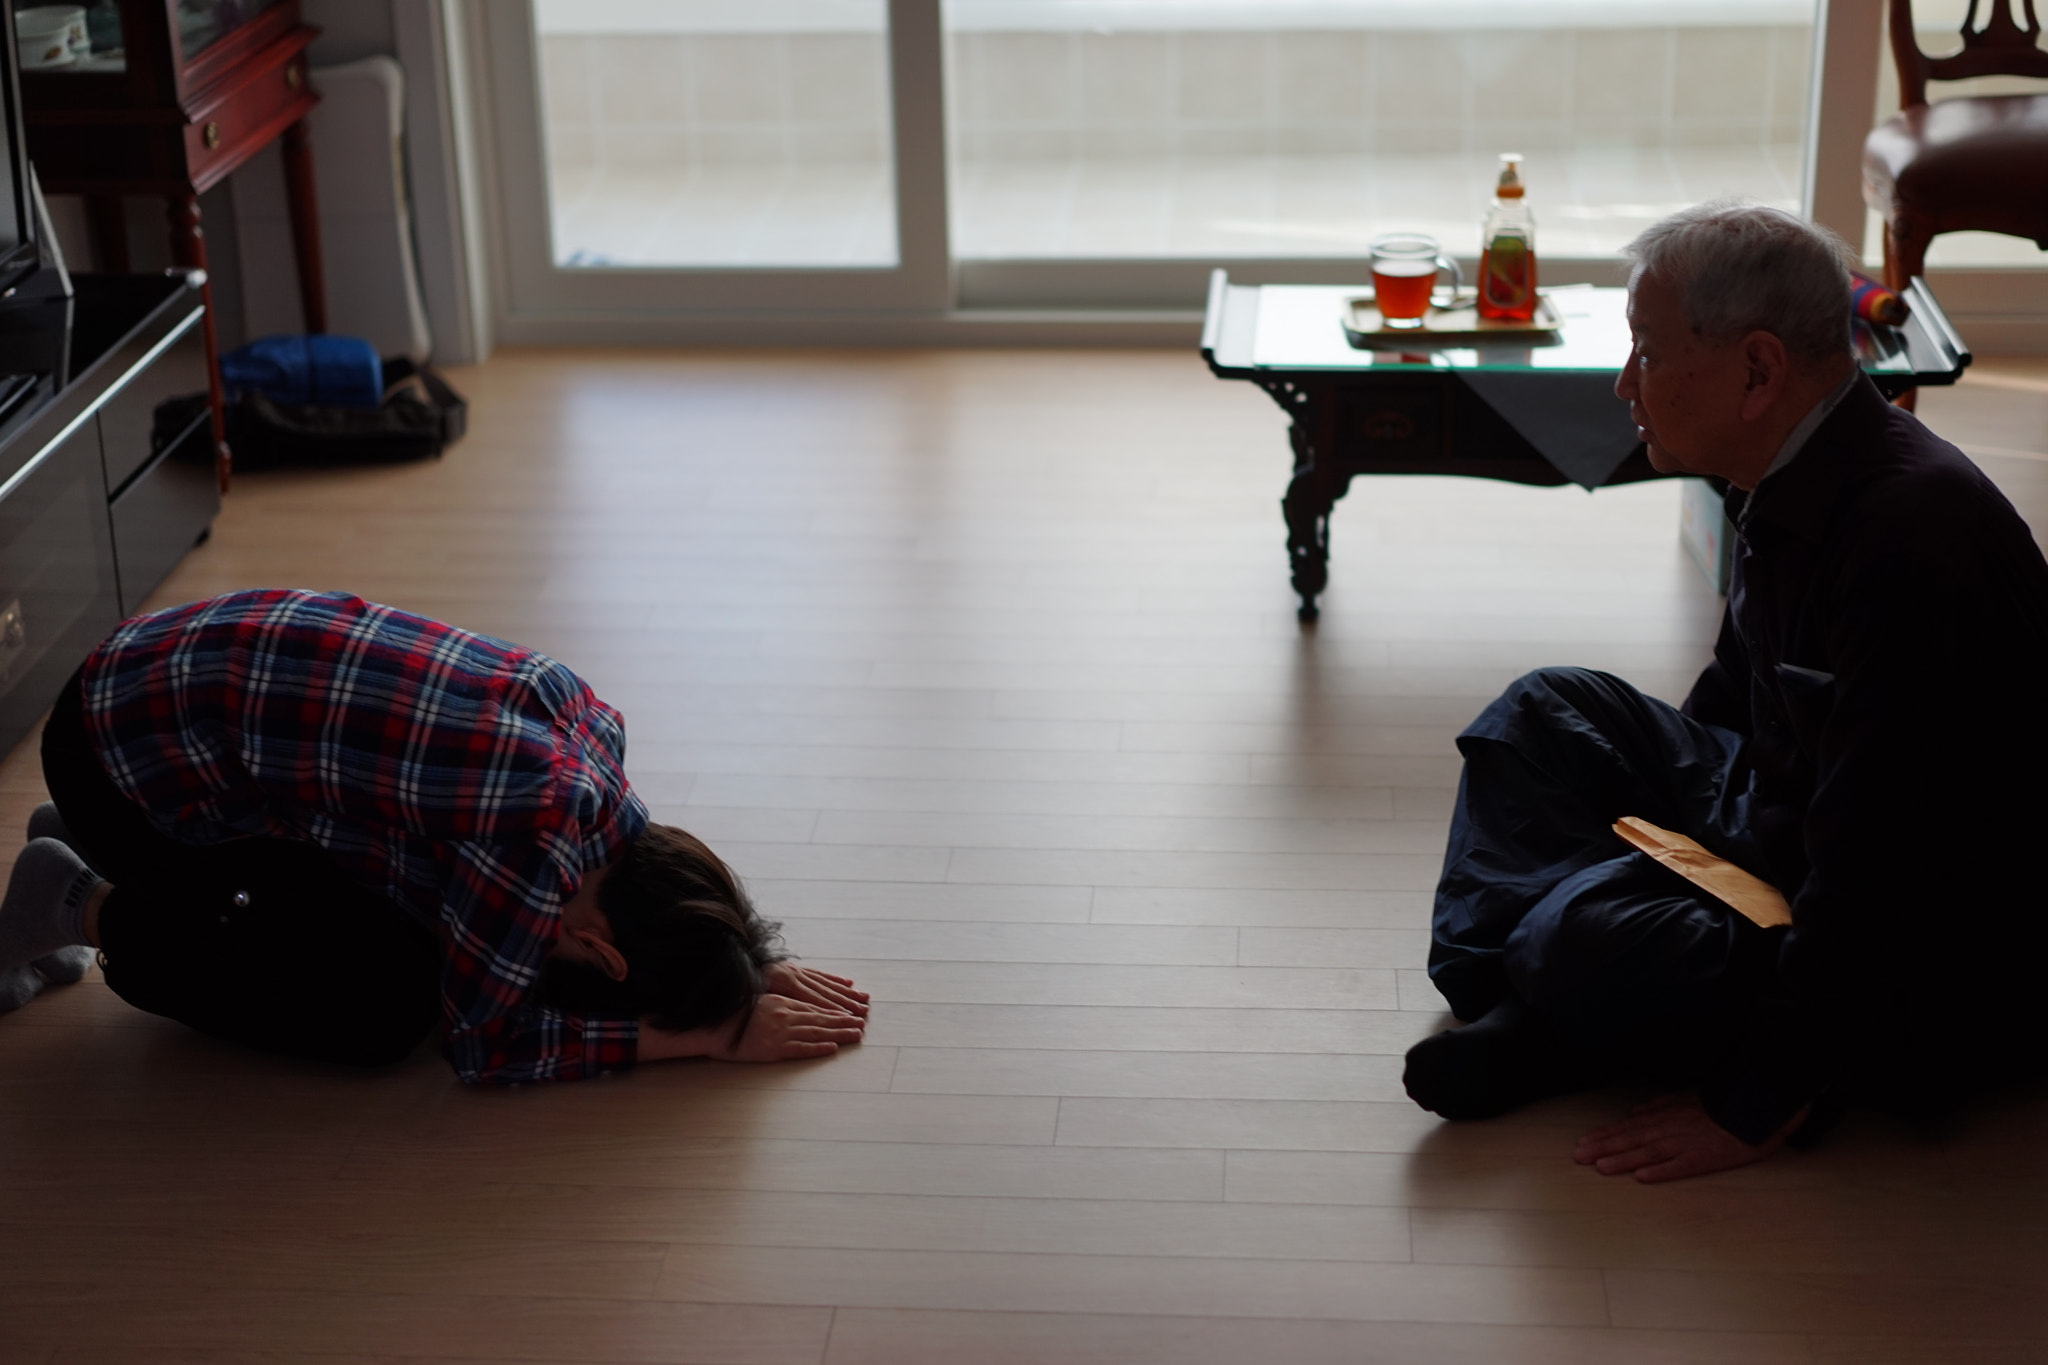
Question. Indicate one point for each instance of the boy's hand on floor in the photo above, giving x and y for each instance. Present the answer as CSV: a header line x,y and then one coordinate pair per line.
x,y
802,1012
1671,1139
781,1029
814,987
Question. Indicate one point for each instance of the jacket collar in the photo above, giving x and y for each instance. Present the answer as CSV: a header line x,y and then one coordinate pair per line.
x,y
1802,496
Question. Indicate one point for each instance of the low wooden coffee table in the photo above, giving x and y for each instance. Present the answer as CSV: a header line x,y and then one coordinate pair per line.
x,y
1530,410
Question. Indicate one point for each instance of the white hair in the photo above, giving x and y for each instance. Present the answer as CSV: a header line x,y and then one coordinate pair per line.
x,y
1740,267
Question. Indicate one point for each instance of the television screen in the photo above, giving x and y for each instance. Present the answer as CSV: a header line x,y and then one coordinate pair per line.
x,y
17,216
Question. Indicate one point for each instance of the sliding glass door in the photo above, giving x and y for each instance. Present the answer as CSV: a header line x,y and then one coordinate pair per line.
x,y
663,156
838,159
1235,128
719,135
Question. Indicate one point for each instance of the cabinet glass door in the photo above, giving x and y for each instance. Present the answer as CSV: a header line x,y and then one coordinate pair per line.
x,y
202,23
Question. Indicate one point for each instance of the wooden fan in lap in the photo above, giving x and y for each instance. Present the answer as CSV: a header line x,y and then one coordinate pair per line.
x,y
1753,897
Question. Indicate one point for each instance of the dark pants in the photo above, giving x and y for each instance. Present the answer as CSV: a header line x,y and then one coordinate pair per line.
x,y
1541,900
264,942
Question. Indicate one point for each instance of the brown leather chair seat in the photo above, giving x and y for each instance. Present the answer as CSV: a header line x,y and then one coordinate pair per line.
x,y
1970,164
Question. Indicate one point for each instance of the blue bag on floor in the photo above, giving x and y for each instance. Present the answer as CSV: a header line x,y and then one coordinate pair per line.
x,y
307,371
419,417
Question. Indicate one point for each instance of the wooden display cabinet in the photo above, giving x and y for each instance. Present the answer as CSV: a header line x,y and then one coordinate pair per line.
x,y
167,98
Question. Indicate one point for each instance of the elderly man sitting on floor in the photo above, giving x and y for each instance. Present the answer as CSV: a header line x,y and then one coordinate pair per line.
x,y
1865,740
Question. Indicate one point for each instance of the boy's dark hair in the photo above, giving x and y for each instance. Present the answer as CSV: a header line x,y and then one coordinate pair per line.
x,y
694,947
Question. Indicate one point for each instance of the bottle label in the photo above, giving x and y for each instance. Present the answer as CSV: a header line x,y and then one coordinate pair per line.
x,y
1507,278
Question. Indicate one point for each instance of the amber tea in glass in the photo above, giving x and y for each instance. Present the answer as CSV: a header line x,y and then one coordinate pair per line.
x,y
1404,270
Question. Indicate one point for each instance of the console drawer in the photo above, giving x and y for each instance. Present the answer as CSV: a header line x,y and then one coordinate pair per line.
x,y
57,588
159,516
153,408
271,92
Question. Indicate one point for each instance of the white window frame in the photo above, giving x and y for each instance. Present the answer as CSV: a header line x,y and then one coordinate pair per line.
x,y
542,297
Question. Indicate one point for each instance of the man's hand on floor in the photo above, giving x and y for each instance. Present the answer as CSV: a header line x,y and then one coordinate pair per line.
x,y
814,987
1670,1139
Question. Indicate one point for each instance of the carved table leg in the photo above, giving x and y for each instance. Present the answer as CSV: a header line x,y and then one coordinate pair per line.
x,y
304,206
1313,489
1310,496
1307,509
188,249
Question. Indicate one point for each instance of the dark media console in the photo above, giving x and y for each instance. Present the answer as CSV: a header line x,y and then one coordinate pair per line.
x,y
106,467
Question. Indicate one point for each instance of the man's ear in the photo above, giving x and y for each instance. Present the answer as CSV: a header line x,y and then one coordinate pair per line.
x,y
609,959
1766,364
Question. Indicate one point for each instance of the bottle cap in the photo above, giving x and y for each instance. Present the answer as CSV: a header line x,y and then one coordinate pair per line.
x,y
1510,186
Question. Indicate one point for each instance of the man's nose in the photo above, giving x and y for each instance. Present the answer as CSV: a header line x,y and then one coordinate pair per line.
x,y
1625,382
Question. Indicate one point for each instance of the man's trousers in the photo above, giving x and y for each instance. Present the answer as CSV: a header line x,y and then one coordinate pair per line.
x,y
1638,969
264,942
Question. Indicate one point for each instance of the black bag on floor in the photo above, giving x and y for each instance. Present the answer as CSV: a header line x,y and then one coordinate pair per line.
x,y
419,417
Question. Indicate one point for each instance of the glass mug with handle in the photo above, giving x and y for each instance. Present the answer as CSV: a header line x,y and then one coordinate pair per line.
x,y
1404,271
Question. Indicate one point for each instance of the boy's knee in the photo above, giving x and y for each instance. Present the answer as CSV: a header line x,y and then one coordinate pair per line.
x,y
387,1050
380,1044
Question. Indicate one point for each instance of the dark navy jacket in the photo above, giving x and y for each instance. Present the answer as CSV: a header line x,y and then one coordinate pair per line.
x,y
1885,653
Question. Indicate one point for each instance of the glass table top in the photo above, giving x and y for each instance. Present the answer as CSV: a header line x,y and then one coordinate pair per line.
x,y
1300,327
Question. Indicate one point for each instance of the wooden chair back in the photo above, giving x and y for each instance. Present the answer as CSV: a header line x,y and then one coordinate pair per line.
x,y
2002,47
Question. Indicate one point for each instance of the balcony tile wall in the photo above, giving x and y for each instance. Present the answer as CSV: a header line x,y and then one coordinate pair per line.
x,y
648,100
662,100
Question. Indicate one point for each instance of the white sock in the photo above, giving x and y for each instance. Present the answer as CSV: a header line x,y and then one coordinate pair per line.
x,y
44,909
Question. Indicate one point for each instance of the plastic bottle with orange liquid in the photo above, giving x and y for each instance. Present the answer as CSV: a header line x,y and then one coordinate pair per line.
x,y
1507,257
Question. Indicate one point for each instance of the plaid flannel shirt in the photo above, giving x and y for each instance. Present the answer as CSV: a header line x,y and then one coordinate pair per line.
x,y
471,781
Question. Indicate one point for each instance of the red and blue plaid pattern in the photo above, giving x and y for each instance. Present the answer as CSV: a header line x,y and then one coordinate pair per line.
x,y
471,781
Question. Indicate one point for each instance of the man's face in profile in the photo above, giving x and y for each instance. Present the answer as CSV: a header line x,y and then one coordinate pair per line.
x,y
1684,395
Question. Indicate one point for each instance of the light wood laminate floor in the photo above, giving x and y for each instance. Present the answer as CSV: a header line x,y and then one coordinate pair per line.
x,y
982,668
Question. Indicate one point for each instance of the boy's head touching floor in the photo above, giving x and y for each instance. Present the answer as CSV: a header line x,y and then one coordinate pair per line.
x,y
671,937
